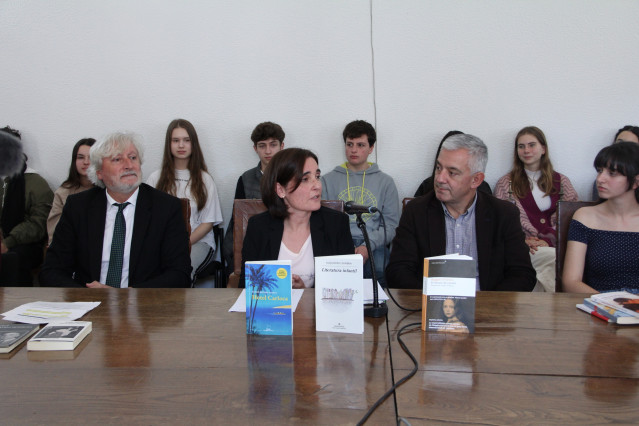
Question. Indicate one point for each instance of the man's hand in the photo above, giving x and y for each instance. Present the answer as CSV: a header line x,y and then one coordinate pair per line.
x,y
96,284
362,250
3,248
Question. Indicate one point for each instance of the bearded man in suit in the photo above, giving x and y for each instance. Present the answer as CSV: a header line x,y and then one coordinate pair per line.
x,y
122,233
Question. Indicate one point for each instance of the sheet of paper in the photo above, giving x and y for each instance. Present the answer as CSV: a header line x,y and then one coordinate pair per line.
x,y
47,312
240,303
368,291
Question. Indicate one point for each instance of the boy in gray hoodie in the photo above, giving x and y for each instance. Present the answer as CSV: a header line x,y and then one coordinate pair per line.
x,y
364,183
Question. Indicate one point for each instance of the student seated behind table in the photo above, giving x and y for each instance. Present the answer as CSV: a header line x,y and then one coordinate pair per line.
x,y
427,185
184,174
296,226
603,240
268,139
77,181
25,201
122,233
364,183
625,134
456,218
535,188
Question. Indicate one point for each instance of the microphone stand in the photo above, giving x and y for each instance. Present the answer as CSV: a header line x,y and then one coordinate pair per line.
x,y
376,310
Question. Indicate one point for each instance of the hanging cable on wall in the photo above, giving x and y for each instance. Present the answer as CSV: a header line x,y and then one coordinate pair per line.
x,y
373,75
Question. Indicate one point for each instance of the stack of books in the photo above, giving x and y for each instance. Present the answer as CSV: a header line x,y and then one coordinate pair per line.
x,y
619,307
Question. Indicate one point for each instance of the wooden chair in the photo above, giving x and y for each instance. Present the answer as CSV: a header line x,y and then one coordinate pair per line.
x,y
243,210
565,211
405,202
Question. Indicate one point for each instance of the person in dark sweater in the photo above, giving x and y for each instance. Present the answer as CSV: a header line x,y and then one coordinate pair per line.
x,y
268,139
25,201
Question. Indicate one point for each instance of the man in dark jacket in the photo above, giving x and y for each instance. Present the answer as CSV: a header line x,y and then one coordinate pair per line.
x,y
456,218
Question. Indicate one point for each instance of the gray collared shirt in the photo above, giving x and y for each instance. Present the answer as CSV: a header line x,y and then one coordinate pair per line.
x,y
461,236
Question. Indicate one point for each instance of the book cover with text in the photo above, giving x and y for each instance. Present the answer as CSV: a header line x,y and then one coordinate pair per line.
x,y
339,293
448,296
268,297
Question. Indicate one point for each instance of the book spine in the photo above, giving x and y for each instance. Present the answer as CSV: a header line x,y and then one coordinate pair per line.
x,y
600,310
424,303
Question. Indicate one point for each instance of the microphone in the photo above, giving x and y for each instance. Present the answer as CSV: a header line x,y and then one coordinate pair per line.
x,y
351,208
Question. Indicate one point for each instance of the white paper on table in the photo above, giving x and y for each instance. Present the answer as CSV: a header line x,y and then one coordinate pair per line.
x,y
240,303
368,292
47,312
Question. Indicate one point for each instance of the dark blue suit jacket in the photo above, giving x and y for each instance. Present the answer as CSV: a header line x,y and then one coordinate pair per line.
x,y
159,247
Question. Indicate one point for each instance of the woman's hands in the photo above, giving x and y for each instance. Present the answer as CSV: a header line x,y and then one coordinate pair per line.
x,y
534,243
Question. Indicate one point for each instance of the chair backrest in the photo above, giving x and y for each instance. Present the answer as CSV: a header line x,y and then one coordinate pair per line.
x,y
186,214
219,266
565,211
405,202
243,210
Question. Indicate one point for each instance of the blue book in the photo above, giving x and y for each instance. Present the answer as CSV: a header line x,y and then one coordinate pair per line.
x,y
268,297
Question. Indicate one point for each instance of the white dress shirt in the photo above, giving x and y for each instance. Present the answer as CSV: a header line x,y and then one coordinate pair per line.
x,y
109,223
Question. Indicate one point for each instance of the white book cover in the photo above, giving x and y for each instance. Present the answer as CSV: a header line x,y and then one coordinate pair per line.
x,y
339,293
60,336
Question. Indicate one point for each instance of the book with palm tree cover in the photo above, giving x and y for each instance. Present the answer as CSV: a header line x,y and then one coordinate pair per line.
x,y
268,297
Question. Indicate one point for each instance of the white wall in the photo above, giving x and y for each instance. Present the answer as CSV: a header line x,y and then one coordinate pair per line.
x,y
80,68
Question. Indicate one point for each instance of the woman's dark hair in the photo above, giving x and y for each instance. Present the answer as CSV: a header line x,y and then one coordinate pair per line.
x,y
439,148
519,179
74,180
429,183
285,167
623,158
11,131
631,129
197,165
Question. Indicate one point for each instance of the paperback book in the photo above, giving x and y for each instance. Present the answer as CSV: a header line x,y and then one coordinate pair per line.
x,y
448,296
60,336
268,297
606,312
11,335
339,293
622,301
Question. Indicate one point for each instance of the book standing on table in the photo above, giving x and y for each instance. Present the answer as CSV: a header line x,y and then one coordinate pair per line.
x,y
339,293
448,295
268,297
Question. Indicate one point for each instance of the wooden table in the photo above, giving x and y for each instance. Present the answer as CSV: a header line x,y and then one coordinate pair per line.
x,y
534,359
178,357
